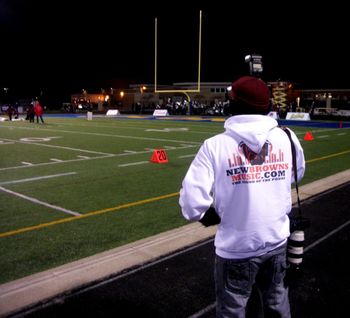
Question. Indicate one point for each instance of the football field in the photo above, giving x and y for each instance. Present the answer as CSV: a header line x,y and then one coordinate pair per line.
x,y
71,188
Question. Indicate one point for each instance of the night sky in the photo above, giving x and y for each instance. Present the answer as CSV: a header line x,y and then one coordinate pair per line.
x,y
69,45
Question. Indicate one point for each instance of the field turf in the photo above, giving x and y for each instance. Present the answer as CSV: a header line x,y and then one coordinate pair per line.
x,y
71,188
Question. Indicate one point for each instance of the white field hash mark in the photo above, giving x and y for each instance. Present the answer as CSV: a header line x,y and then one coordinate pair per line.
x,y
133,163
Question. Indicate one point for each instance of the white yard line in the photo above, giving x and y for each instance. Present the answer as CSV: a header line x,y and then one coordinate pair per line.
x,y
2,142
58,147
106,135
27,165
38,178
138,127
55,207
68,148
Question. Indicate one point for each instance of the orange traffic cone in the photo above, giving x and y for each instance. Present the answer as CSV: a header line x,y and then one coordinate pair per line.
x,y
159,156
308,136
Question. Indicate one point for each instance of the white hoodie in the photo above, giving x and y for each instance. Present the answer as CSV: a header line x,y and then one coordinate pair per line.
x,y
252,197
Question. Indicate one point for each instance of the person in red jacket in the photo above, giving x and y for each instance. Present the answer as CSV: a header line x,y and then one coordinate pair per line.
x,y
38,110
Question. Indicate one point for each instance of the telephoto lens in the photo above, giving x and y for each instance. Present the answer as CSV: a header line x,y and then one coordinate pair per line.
x,y
296,248
295,251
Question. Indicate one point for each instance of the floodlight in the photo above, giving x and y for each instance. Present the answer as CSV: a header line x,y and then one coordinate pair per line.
x,y
255,64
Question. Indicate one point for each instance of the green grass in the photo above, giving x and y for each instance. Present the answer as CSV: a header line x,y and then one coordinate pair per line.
x,y
101,183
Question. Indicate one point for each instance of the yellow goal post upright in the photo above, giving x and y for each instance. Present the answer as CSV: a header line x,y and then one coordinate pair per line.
x,y
186,91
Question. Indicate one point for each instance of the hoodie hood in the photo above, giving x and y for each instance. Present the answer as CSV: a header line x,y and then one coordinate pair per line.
x,y
253,130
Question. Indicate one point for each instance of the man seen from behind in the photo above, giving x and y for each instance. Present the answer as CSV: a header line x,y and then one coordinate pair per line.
x,y
241,179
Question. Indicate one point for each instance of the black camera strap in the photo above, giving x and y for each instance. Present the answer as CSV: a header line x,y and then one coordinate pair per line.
x,y
294,159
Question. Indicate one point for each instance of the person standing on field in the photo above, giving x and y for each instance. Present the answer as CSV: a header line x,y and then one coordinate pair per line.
x,y
241,180
38,110
10,112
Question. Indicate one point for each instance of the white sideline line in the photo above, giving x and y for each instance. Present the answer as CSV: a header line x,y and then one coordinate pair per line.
x,y
316,131
37,178
56,160
133,163
55,207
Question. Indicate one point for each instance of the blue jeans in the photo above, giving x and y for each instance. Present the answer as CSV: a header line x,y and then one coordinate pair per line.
x,y
234,280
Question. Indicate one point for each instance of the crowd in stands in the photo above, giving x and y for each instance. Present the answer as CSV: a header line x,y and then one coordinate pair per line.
x,y
183,108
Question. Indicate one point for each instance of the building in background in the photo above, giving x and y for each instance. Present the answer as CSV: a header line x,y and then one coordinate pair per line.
x,y
142,99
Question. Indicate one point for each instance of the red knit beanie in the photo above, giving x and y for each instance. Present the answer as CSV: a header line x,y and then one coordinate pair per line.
x,y
252,93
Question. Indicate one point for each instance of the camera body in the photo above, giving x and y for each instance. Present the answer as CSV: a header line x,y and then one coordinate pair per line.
x,y
298,223
210,217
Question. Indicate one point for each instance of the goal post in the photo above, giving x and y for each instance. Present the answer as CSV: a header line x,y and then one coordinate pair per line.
x,y
186,91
